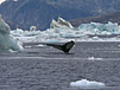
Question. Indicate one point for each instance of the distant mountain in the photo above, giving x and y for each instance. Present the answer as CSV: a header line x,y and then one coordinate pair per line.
x,y
113,17
24,13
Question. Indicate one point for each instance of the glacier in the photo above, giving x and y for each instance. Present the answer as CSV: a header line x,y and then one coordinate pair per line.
x,y
7,41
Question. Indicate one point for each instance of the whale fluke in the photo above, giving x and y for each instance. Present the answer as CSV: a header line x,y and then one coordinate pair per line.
x,y
65,48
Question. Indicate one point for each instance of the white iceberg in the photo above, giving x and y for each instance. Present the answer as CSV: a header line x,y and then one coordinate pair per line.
x,y
85,84
60,23
33,28
7,42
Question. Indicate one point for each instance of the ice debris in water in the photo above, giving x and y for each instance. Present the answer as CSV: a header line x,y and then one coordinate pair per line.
x,y
91,58
40,45
98,28
85,84
7,42
62,29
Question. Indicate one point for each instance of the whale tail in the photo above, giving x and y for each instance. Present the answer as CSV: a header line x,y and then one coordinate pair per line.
x,y
65,48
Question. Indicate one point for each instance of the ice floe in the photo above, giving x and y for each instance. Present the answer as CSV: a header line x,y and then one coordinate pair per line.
x,y
85,84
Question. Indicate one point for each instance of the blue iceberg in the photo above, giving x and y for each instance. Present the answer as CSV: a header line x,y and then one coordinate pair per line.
x,y
7,42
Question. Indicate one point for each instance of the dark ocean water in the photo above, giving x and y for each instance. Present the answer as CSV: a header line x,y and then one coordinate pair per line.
x,y
46,68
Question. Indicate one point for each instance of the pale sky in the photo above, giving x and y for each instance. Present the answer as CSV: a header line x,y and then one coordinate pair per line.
x,y
1,1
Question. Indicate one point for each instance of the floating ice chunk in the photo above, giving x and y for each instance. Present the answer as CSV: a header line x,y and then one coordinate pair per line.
x,y
96,30
17,33
40,45
60,23
91,58
95,38
85,84
33,28
11,51
15,45
7,42
64,22
98,27
20,45
54,24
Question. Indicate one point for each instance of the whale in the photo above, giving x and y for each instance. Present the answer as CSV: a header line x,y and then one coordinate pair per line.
x,y
65,47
